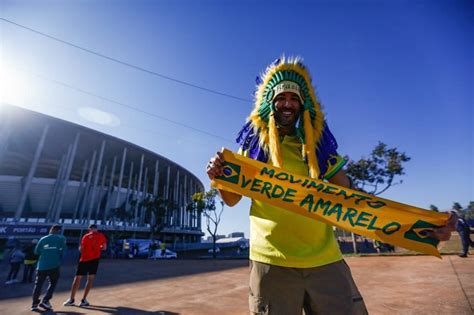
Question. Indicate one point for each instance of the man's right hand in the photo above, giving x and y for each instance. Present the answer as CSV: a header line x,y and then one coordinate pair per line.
x,y
215,167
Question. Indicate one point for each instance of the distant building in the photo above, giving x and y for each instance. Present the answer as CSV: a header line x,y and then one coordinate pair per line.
x,y
54,171
218,237
236,234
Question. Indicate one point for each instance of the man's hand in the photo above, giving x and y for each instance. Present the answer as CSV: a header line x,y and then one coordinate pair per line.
x,y
215,167
444,233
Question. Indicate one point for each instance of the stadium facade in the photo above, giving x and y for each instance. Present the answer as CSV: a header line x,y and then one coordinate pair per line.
x,y
54,171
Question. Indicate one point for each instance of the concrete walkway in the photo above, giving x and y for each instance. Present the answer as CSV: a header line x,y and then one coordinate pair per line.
x,y
390,285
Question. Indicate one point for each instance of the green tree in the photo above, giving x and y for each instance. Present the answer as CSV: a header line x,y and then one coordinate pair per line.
x,y
469,212
205,203
457,206
155,211
377,173
434,208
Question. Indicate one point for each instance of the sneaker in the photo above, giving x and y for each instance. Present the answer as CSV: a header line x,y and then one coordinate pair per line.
x,y
463,255
35,308
84,302
46,305
9,282
69,302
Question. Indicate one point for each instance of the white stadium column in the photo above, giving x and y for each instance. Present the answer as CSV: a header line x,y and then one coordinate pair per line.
x,y
119,186
31,173
96,180
140,173
80,191
102,185
66,178
108,203
88,186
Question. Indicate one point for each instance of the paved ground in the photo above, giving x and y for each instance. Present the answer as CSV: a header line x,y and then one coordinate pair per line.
x,y
390,285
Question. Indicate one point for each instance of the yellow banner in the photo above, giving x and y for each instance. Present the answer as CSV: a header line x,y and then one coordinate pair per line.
x,y
380,219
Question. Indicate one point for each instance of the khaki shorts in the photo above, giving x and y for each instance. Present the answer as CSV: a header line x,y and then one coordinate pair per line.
x,y
328,289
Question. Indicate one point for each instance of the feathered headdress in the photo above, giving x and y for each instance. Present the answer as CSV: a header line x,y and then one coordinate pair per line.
x,y
260,134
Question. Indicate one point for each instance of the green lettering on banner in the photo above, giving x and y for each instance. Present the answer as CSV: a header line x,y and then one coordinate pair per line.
x,y
322,204
360,198
337,208
308,200
293,181
371,225
349,215
328,190
277,191
266,171
256,185
282,176
245,183
362,218
376,204
343,193
288,194
305,182
266,189
391,228
318,187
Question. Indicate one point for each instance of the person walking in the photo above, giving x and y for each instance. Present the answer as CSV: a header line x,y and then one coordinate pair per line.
x,y
50,249
163,248
30,261
92,244
464,231
16,258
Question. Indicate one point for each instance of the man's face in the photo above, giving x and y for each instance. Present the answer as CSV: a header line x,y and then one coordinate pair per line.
x,y
287,109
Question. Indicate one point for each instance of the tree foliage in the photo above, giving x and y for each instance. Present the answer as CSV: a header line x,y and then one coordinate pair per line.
x,y
468,212
378,172
434,208
205,203
155,213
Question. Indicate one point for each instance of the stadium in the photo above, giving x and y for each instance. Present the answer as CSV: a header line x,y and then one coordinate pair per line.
x,y
54,171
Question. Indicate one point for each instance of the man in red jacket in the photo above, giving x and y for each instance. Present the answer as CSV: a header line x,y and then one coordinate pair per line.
x,y
91,246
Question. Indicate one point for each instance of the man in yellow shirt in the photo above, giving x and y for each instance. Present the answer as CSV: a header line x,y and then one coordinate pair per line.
x,y
295,262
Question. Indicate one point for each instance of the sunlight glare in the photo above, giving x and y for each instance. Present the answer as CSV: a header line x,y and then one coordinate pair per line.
x,y
13,86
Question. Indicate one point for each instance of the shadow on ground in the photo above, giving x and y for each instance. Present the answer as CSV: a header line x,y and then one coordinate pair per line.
x,y
109,310
116,272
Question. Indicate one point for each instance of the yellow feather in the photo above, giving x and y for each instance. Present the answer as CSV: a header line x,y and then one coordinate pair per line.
x,y
275,153
310,146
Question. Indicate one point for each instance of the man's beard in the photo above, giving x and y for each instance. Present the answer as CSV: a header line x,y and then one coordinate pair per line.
x,y
286,122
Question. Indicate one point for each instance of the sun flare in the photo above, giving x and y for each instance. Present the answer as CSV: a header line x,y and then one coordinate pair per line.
x,y
14,86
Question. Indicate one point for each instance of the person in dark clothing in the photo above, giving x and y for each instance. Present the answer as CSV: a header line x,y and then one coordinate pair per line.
x,y
464,232
29,262
16,258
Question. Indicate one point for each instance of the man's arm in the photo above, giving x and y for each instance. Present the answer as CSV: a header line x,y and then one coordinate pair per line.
x,y
341,179
38,248
104,242
215,168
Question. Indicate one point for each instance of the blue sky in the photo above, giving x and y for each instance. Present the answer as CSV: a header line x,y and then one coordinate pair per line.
x,y
400,72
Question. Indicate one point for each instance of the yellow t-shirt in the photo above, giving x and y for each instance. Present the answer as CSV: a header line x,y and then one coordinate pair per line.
x,y
280,237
